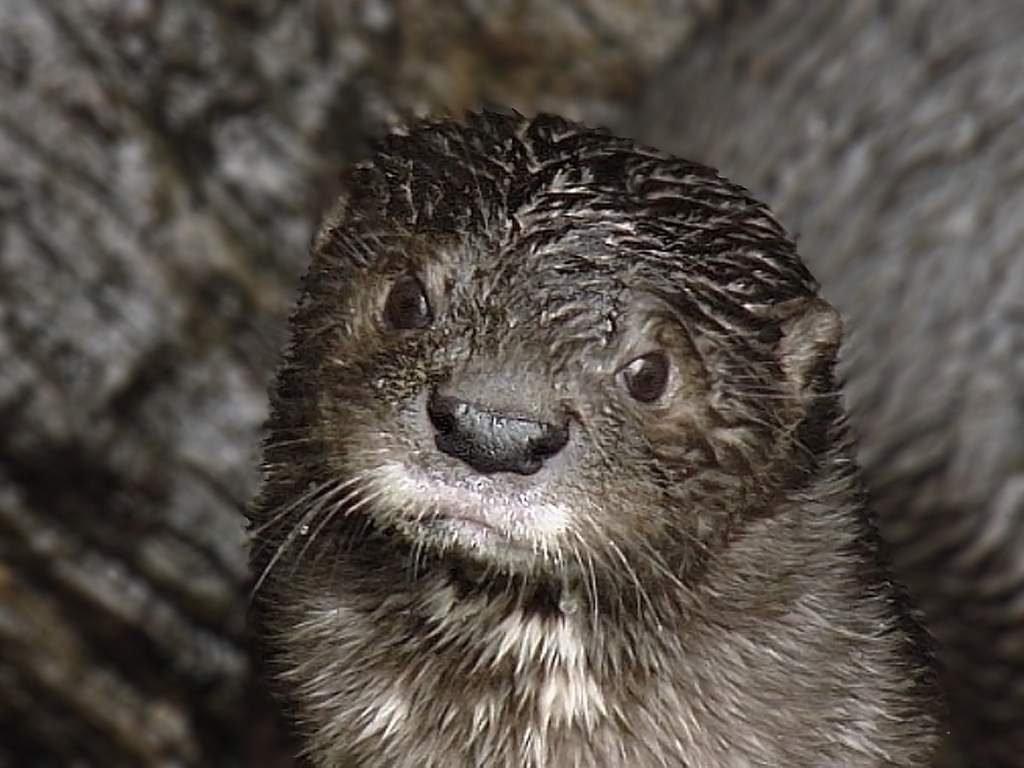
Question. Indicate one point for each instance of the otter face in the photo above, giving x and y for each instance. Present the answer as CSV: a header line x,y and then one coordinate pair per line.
x,y
525,336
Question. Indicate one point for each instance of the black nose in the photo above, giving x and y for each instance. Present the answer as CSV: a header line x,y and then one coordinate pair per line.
x,y
493,442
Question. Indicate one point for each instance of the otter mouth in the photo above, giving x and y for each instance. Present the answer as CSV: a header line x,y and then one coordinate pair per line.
x,y
440,522
486,517
469,530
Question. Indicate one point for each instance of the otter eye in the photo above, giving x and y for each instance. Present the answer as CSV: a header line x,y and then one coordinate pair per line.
x,y
407,307
646,376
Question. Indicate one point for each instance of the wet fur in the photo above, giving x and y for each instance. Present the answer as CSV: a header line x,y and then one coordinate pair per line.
x,y
697,582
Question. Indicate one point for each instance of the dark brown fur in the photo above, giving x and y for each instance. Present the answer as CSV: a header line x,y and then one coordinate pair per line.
x,y
693,581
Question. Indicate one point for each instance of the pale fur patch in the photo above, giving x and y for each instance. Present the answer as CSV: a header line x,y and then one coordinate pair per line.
x,y
387,715
553,651
527,516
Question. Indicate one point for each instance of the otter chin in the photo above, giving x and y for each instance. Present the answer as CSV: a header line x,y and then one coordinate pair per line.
x,y
557,474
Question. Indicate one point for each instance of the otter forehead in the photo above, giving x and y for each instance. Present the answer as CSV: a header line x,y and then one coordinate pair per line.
x,y
545,202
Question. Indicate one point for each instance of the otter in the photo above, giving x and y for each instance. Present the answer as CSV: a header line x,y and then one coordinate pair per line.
x,y
557,473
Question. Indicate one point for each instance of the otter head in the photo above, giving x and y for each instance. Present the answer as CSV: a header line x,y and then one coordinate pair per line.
x,y
533,346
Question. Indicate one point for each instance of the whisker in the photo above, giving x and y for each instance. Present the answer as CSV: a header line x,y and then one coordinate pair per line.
x,y
281,549
270,446
343,506
333,507
588,572
297,530
307,496
658,563
641,593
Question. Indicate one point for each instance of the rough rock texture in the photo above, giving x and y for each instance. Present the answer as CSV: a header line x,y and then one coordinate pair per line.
x,y
161,167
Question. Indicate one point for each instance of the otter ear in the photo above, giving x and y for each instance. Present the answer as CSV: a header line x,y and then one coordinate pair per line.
x,y
811,332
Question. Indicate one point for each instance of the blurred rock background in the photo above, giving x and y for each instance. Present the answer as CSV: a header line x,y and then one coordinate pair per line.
x,y
163,164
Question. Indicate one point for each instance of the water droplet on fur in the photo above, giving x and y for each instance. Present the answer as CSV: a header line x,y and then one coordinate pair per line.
x,y
568,605
304,529
378,383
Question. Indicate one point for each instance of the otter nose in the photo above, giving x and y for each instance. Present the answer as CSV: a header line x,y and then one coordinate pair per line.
x,y
493,442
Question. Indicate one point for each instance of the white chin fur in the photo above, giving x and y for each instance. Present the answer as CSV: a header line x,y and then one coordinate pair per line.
x,y
475,510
